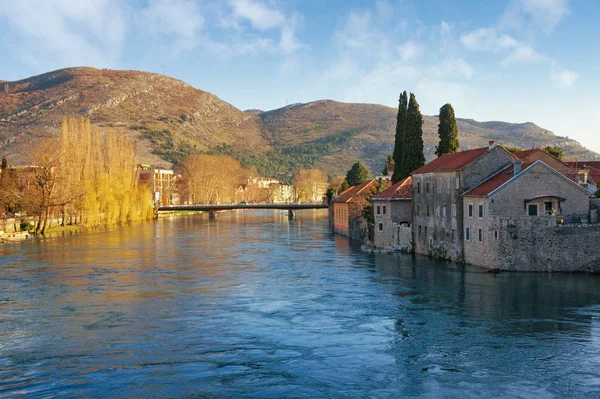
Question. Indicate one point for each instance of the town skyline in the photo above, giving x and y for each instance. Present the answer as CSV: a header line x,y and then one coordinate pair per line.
x,y
509,60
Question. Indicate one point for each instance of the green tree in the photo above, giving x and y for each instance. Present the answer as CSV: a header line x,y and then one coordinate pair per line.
x,y
4,164
597,193
357,174
389,163
554,151
448,132
399,142
412,151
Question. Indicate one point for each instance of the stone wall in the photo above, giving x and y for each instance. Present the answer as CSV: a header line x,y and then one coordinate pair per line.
x,y
537,244
396,212
485,166
437,233
359,230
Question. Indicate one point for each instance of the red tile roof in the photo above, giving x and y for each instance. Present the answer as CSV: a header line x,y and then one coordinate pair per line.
x,y
495,181
351,192
455,161
585,164
400,190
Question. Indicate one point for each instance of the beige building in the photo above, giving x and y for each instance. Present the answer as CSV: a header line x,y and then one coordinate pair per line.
x,y
393,216
162,184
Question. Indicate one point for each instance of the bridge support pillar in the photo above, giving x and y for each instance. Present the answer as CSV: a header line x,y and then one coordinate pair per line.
x,y
212,215
290,214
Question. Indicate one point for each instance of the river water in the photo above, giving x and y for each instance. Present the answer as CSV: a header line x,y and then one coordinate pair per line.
x,y
253,305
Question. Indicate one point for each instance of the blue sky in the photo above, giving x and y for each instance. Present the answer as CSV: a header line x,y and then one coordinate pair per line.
x,y
511,60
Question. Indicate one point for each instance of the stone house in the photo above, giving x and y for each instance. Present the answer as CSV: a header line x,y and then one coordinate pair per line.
x,y
437,204
349,205
392,214
510,220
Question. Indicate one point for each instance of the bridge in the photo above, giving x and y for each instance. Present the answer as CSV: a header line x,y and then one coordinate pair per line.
x,y
212,208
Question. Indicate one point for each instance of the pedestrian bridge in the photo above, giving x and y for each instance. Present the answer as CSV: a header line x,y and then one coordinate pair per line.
x,y
212,208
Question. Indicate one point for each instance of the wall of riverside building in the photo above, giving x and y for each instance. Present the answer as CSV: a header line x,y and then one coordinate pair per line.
x,y
537,244
485,166
392,234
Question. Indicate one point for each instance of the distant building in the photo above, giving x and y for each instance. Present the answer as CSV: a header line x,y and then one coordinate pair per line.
x,y
349,205
393,216
162,183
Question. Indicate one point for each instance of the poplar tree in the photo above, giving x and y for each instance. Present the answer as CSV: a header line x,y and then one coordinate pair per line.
x,y
412,150
448,132
399,142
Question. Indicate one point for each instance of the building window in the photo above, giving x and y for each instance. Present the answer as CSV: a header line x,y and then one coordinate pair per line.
x,y
438,212
468,234
444,212
481,211
384,209
439,185
480,235
470,210
427,210
495,234
425,231
427,186
453,234
447,184
380,226
548,208
532,210
378,210
453,210
457,183
418,187
419,231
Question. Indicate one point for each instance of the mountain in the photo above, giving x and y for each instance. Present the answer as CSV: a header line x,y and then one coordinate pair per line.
x,y
170,119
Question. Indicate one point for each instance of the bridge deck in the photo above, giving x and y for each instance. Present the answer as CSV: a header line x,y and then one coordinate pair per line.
x,y
213,207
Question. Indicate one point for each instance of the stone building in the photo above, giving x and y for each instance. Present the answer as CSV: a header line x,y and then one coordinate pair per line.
x,y
437,204
162,183
511,221
393,217
349,205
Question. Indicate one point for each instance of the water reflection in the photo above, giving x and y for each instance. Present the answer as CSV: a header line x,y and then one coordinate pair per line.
x,y
255,305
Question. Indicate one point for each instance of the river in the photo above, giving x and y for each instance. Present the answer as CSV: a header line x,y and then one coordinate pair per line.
x,y
253,305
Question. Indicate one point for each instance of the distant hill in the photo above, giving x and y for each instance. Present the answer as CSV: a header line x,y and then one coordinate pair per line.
x,y
170,119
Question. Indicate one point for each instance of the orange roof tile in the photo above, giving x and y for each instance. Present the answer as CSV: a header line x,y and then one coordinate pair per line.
x,y
455,161
400,190
351,192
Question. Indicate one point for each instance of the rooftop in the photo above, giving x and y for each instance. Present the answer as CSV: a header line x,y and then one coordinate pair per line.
x,y
400,190
351,192
455,161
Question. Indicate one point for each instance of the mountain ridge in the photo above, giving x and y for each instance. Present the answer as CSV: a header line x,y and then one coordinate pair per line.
x,y
169,119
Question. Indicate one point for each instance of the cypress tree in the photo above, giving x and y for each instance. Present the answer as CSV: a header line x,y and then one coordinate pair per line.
x,y
413,157
400,138
448,132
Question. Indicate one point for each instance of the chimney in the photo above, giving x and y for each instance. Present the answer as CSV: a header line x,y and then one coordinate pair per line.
x,y
491,144
517,166
583,177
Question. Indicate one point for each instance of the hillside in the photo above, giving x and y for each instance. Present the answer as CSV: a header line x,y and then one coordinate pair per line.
x,y
170,119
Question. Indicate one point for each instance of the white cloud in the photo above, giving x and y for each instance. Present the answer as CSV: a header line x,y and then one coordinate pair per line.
x,y
258,14
535,15
177,22
452,68
564,78
410,51
64,33
523,54
487,39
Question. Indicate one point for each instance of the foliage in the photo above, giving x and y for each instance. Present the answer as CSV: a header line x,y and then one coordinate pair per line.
x,y
389,164
212,179
164,145
554,151
357,174
344,186
4,164
284,163
400,138
309,185
330,193
513,149
597,193
413,157
26,226
447,131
